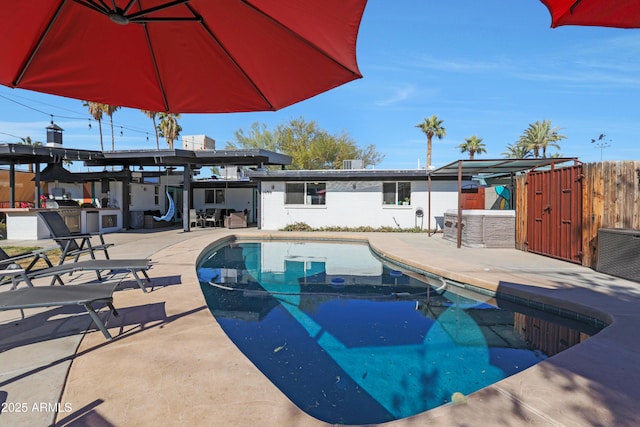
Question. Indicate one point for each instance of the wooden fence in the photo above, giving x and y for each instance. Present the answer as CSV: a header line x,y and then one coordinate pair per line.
x,y
24,188
610,199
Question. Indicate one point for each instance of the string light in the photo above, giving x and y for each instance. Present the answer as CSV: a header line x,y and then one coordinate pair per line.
x,y
52,116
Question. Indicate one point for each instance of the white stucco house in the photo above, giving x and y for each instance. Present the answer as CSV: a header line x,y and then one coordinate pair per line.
x,y
353,198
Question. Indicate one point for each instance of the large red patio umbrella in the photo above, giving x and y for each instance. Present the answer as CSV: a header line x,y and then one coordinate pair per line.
x,y
601,13
182,56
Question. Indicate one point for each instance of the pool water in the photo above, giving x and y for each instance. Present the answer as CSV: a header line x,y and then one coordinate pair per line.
x,y
351,340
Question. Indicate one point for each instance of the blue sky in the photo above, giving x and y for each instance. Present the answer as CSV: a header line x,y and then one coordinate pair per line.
x,y
486,68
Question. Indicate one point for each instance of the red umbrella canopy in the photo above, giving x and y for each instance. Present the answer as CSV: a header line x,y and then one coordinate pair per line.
x,y
602,13
184,56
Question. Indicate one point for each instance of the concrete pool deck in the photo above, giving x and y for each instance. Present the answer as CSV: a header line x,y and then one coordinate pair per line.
x,y
171,364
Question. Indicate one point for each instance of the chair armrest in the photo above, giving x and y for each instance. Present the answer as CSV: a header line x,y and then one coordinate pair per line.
x,y
74,237
12,270
98,234
37,255
20,257
17,274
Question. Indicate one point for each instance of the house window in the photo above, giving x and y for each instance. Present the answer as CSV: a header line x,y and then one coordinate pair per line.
x,y
305,193
156,194
396,193
214,196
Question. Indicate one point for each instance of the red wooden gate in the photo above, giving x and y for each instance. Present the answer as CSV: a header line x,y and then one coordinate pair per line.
x,y
554,203
472,198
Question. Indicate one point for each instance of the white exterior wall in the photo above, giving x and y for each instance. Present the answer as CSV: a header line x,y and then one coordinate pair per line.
x,y
115,194
143,197
235,198
347,206
240,199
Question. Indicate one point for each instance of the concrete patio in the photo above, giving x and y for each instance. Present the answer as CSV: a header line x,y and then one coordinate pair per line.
x,y
171,364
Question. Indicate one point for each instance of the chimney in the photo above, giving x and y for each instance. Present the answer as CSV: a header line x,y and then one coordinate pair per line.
x,y
54,136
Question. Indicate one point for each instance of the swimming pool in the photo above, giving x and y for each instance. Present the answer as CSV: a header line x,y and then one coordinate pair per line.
x,y
352,340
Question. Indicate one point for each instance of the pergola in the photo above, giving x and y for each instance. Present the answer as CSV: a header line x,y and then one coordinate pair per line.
x,y
23,154
486,169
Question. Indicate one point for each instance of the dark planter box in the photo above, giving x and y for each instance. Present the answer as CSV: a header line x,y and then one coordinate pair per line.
x,y
619,252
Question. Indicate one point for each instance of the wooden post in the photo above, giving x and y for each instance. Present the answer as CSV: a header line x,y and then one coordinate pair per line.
x,y
459,203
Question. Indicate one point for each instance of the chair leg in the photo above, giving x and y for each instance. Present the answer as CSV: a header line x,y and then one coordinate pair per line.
x,y
139,281
56,278
97,321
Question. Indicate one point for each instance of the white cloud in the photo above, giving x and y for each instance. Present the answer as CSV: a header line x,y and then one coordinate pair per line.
x,y
399,95
454,65
35,130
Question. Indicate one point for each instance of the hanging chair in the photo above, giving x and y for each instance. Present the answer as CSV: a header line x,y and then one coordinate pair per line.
x,y
169,215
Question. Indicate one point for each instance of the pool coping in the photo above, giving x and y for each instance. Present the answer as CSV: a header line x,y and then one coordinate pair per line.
x,y
148,373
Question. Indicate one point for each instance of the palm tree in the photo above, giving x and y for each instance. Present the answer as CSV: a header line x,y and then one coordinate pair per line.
x,y
152,115
539,136
109,110
96,111
517,151
472,145
27,141
169,127
431,127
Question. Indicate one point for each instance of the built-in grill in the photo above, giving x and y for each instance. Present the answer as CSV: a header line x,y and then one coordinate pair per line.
x,y
69,210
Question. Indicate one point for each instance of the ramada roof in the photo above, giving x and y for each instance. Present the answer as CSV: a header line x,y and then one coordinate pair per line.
x,y
468,169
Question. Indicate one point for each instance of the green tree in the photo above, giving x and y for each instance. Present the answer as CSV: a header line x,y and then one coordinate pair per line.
x,y
96,111
539,136
28,141
328,151
309,146
295,139
169,128
152,115
109,110
258,136
473,146
517,151
432,126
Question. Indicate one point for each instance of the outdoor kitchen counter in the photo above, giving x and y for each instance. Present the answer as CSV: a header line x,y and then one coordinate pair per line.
x,y
24,223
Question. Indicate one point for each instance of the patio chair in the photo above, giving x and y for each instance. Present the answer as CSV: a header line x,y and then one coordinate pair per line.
x,y
6,259
53,296
236,220
196,219
167,217
72,244
134,266
12,263
214,218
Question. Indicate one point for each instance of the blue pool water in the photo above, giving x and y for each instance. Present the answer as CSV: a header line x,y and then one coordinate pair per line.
x,y
351,340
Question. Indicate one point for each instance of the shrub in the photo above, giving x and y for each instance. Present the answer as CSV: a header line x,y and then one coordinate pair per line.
x,y
301,226
298,226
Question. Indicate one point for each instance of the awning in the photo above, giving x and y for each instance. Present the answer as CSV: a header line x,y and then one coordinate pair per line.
x,y
498,166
